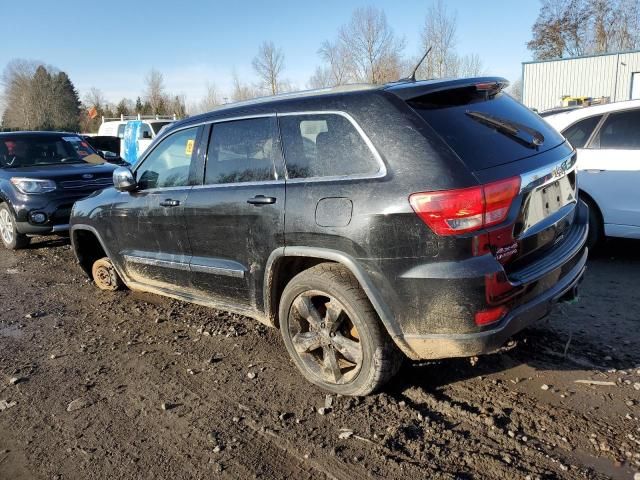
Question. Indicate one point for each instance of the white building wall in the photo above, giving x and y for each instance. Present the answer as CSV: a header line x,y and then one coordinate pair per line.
x,y
545,83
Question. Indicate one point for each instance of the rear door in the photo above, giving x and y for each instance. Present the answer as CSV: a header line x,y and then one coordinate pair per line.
x,y
235,219
149,222
610,168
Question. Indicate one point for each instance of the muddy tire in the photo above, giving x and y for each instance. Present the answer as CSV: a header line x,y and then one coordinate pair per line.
x,y
105,275
9,235
333,334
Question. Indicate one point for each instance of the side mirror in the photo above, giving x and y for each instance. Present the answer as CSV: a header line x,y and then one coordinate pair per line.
x,y
124,180
146,135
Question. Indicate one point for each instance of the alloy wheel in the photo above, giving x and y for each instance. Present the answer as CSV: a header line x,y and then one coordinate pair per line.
x,y
6,226
325,338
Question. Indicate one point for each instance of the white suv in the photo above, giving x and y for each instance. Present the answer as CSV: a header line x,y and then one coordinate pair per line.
x,y
607,138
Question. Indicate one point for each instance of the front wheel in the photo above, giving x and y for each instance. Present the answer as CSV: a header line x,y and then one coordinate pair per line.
x,y
11,238
105,275
333,334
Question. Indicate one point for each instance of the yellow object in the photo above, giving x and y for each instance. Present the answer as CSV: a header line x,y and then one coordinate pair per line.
x,y
568,101
189,148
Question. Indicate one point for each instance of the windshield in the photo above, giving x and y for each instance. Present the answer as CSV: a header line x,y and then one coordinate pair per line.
x,y
38,150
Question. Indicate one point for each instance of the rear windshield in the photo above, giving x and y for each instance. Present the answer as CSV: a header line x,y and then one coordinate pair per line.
x,y
18,151
467,120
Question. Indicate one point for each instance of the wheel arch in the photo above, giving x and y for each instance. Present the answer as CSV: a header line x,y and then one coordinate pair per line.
x,y
589,200
87,244
273,285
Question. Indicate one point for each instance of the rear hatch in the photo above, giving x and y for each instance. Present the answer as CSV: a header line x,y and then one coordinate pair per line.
x,y
498,138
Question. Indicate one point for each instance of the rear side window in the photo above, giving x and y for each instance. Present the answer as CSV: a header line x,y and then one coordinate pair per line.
x,y
324,145
619,131
241,151
456,115
579,133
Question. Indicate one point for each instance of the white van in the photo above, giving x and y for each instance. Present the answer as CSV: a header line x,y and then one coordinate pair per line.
x,y
147,128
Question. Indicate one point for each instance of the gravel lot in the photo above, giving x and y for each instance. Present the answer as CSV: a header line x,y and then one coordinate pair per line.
x,y
131,385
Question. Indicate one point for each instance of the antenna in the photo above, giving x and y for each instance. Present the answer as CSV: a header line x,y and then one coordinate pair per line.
x,y
412,77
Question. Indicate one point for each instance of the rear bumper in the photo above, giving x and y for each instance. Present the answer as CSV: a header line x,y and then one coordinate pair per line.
x,y
432,346
540,285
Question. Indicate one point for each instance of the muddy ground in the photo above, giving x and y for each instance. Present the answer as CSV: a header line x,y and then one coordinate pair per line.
x,y
131,385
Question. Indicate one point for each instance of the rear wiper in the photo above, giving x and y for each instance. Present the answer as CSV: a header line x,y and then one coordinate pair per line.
x,y
526,136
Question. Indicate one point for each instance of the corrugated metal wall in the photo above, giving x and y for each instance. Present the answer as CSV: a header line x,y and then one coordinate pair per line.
x,y
544,83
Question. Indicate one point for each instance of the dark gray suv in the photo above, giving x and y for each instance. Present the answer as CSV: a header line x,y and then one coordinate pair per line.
x,y
431,219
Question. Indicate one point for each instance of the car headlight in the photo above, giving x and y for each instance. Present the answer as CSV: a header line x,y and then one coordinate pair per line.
x,y
33,185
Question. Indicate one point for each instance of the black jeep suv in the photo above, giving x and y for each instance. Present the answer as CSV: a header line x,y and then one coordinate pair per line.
x,y
432,218
41,175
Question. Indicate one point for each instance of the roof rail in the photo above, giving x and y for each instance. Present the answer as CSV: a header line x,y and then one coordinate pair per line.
x,y
122,118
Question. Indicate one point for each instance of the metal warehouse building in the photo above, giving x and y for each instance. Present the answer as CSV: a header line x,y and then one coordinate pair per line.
x,y
613,76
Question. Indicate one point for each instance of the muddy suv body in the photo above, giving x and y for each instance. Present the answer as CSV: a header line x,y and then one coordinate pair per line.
x,y
433,218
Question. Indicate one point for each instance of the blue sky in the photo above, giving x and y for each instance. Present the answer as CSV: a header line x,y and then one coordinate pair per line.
x,y
111,45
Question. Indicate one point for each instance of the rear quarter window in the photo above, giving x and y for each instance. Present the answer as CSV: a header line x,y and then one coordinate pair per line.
x,y
324,145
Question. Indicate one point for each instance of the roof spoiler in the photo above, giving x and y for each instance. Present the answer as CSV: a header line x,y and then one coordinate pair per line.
x,y
409,90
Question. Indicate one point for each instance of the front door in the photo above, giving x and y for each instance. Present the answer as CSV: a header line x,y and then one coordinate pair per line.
x,y
149,223
236,218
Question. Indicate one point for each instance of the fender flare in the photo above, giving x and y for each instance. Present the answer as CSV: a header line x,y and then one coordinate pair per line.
x,y
381,308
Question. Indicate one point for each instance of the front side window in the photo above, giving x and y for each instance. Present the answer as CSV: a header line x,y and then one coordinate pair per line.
x,y
324,145
241,151
579,133
169,162
619,131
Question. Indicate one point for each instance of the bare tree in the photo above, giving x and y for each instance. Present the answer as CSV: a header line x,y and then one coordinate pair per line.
x,y
241,91
578,27
372,46
439,34
16,80
155,93
321,78
210,100
268,65
515,90
338,61
95,98
470,66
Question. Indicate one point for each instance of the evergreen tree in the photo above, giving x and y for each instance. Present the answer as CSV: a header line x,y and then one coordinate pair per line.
x,y
65,113
41,99
139,106
122,108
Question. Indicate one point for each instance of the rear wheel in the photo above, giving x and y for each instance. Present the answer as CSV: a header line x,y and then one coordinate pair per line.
x,y
105,275
333,334
11,238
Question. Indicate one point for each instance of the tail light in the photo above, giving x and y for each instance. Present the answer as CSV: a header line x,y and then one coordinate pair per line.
x,y
451,212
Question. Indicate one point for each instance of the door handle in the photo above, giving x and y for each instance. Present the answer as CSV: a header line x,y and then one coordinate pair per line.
x,y
170,203
262,200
